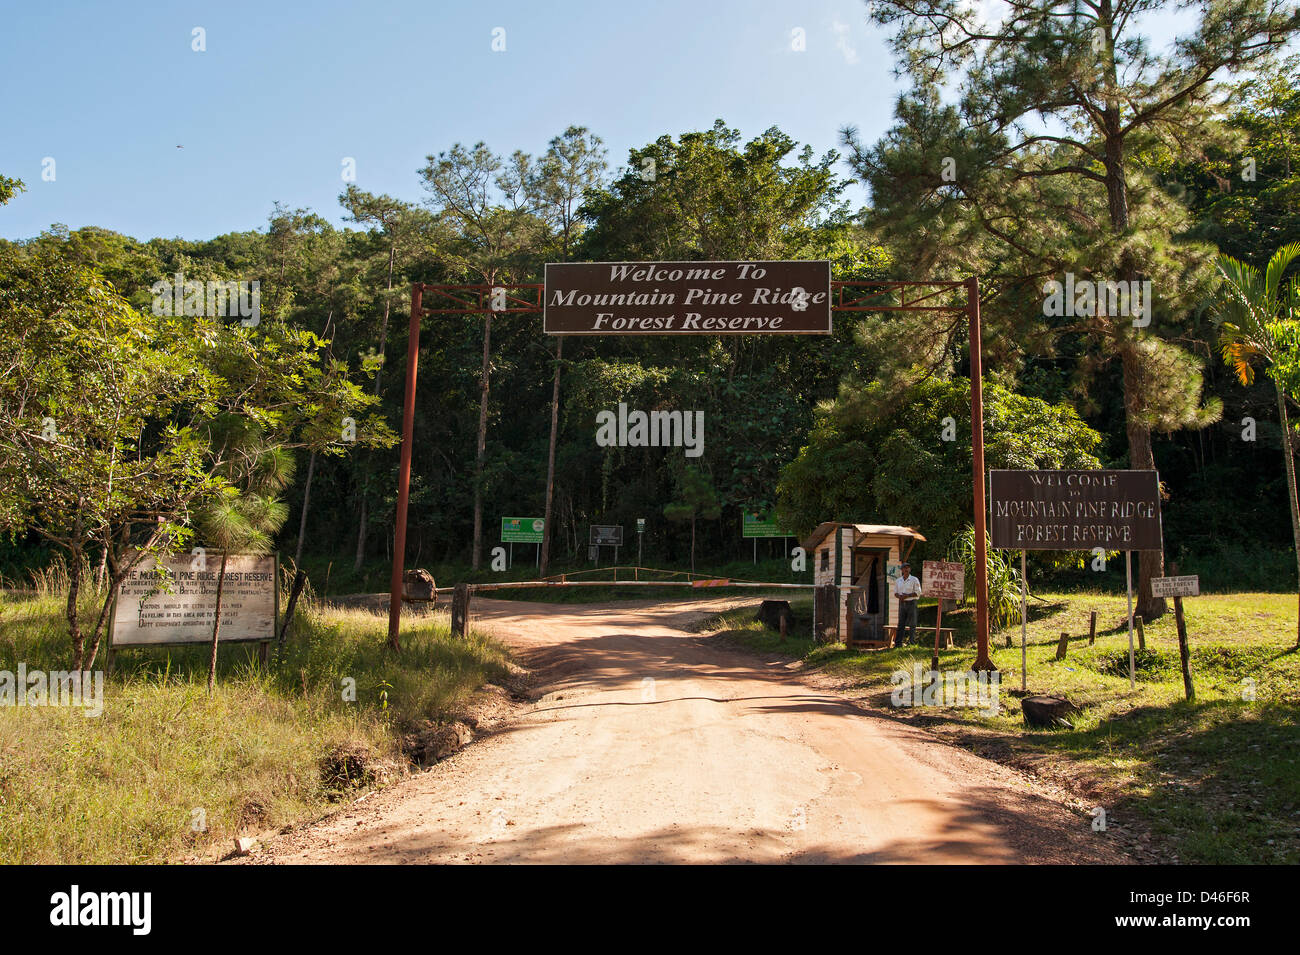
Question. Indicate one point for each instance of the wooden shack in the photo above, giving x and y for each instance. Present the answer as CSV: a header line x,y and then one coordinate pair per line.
x,y
852,566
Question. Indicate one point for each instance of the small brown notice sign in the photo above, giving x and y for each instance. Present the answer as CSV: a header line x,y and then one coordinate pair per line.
x,y
687,298
1189,586
946,579
180,609
1075,510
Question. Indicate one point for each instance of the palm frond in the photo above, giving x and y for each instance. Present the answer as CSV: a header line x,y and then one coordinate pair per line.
x,y
1277,266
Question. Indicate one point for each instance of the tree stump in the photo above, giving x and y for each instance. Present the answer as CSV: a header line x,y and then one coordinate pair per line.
x,y
419,585
1047,711
773,613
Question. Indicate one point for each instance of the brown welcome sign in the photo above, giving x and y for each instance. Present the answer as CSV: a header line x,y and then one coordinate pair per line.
x,y
1075,510
687,298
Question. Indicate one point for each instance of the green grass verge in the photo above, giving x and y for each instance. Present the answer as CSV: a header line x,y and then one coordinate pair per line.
x,y
167,772
1217,779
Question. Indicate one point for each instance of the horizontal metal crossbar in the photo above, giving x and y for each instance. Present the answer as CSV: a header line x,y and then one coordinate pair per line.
x,y
720,582
518,297
862,292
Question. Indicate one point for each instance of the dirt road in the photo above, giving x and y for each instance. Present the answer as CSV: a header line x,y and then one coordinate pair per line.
x,y
654,744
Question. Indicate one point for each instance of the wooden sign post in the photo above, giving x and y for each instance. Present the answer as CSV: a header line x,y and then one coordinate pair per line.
x,y
1024,625
1178,588
1128,576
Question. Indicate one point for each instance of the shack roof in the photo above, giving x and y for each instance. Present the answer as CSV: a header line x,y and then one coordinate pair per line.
x,y
892,530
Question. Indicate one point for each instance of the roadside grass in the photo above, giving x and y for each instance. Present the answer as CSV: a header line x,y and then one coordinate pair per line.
x,y
168,773
1216,780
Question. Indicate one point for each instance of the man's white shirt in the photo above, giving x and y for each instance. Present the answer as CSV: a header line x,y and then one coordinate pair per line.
x,y
907,587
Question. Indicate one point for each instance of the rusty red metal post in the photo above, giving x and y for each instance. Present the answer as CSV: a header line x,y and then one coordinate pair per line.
x,y
982,660
404,473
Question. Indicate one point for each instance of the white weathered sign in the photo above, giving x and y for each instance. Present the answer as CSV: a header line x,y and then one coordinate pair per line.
x,y
943,579
1176,586
153,610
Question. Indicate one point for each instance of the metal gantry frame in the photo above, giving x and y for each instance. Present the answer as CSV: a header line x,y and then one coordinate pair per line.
x,y
847,296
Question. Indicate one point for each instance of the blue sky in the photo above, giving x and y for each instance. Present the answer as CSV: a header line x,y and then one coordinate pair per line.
x,y
285,91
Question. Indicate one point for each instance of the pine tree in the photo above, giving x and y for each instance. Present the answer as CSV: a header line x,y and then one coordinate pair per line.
x,y
1037,165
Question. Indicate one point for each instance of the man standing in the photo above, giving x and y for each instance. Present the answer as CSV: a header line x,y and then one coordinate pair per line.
x,y
908,590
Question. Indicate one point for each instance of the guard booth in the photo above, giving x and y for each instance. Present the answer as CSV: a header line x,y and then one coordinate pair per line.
x,y
852,566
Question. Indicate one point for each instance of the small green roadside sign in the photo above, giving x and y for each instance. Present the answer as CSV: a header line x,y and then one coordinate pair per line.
x,y
522,530
760,525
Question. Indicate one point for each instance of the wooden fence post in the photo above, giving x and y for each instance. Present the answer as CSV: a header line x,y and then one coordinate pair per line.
x,y
1183,652
1092,628
459,609
1142,637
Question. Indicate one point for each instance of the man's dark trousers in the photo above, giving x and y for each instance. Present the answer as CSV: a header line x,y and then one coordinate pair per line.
x,y
906,622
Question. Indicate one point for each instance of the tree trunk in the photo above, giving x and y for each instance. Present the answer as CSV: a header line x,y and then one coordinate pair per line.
x,y
1283,418
216,626
1151,563
104,609
383,328
361,538
550,460
74,625
302,521
113,579
481,451
1140,454
692,544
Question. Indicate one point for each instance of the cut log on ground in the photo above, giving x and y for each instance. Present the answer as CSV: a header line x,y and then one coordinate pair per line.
x,y
1047,711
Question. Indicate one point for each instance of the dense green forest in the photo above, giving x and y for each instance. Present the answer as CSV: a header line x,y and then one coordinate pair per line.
x,y
848,426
